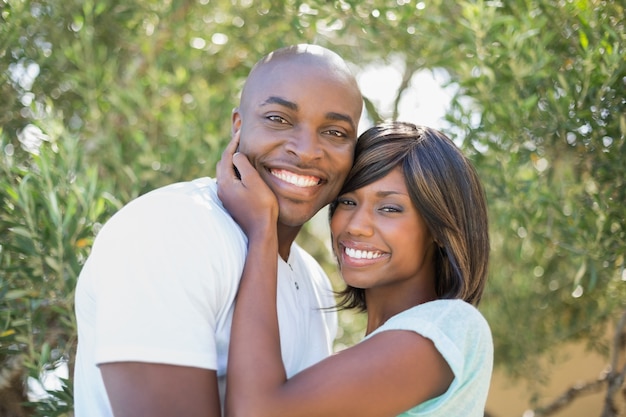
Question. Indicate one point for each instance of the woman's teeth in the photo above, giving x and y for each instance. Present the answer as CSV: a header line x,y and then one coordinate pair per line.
x,y
362,254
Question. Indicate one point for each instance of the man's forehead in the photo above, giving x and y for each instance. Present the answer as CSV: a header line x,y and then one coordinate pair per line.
x,y
285,79
282,74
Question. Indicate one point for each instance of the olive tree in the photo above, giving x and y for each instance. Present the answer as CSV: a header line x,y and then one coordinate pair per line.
x,y
103,100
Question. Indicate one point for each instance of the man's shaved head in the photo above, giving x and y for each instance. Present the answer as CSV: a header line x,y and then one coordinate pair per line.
x,y
298,123
303,54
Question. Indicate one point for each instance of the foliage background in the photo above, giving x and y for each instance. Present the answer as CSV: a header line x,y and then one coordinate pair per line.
x,y
103,100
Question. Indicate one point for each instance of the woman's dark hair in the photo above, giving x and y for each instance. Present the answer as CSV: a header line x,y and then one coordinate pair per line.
x,y
445,189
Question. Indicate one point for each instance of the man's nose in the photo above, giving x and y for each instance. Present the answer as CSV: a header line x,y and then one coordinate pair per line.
x,y
306,144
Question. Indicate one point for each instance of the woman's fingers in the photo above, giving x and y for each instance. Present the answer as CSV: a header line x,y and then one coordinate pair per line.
x,y
246,172
225,170
240,188
231,148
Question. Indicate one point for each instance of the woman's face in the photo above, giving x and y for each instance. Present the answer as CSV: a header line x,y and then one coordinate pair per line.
x,y
380,238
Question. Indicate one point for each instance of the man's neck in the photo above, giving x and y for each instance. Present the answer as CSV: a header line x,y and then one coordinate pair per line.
x,y
286,236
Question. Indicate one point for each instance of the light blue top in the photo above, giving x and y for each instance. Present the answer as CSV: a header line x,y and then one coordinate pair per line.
x,y
462,336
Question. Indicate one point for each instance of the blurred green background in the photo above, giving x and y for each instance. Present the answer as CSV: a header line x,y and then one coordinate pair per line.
x,y
103,100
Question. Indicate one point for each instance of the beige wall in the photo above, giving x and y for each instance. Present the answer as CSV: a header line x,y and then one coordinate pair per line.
x,y
508,399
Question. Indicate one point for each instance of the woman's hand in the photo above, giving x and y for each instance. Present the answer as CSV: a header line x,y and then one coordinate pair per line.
x,y
244,193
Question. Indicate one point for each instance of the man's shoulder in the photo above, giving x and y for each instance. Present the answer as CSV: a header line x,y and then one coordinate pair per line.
x,y
174,199
189,208
199,190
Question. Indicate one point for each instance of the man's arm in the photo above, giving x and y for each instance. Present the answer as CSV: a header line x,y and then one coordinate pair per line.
x,y
159,390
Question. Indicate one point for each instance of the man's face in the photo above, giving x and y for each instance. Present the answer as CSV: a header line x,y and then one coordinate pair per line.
x,y
298,126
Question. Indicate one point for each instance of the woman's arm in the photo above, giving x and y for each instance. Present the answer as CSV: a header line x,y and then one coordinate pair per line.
x,y
254,352
383,376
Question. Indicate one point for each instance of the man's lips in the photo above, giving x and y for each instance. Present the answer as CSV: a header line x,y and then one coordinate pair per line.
x,y
295,179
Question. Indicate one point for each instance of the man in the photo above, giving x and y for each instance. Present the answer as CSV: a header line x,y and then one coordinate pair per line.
x,y
154,301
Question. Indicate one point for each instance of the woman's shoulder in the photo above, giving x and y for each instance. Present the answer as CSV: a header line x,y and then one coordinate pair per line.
x,y
444,310
454,320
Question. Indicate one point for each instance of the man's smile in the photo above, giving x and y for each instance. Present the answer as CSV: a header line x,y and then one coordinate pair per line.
x,y
295,179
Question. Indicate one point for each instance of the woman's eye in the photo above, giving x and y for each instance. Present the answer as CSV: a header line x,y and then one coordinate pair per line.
x,y
345,202
391,209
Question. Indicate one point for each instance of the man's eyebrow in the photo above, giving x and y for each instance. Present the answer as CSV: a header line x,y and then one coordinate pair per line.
x,y
293,106
280,101
341,117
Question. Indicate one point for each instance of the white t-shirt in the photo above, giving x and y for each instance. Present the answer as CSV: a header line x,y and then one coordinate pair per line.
x,y
159,287
462,336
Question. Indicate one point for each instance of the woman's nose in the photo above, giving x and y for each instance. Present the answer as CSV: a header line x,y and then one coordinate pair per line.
x,y
360,223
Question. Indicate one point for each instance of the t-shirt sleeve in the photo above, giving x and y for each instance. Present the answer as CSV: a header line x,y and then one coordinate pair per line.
x,y
163,281
463,337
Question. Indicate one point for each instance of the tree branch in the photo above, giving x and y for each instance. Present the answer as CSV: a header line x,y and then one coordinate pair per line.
x,y
615,377
571,394
611,377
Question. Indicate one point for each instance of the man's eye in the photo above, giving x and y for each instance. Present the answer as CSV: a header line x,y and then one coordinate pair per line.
x,y
277,119
336,133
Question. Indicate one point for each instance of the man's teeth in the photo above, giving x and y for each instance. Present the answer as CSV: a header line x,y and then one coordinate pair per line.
x,y
299,180
362,254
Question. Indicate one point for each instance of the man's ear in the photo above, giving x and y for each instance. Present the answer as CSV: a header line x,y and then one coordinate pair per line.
x,y
235,125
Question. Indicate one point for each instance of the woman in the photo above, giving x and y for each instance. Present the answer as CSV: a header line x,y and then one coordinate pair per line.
x,y
410,233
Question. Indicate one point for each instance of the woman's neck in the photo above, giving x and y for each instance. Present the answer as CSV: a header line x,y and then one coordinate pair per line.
x,y
381,306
